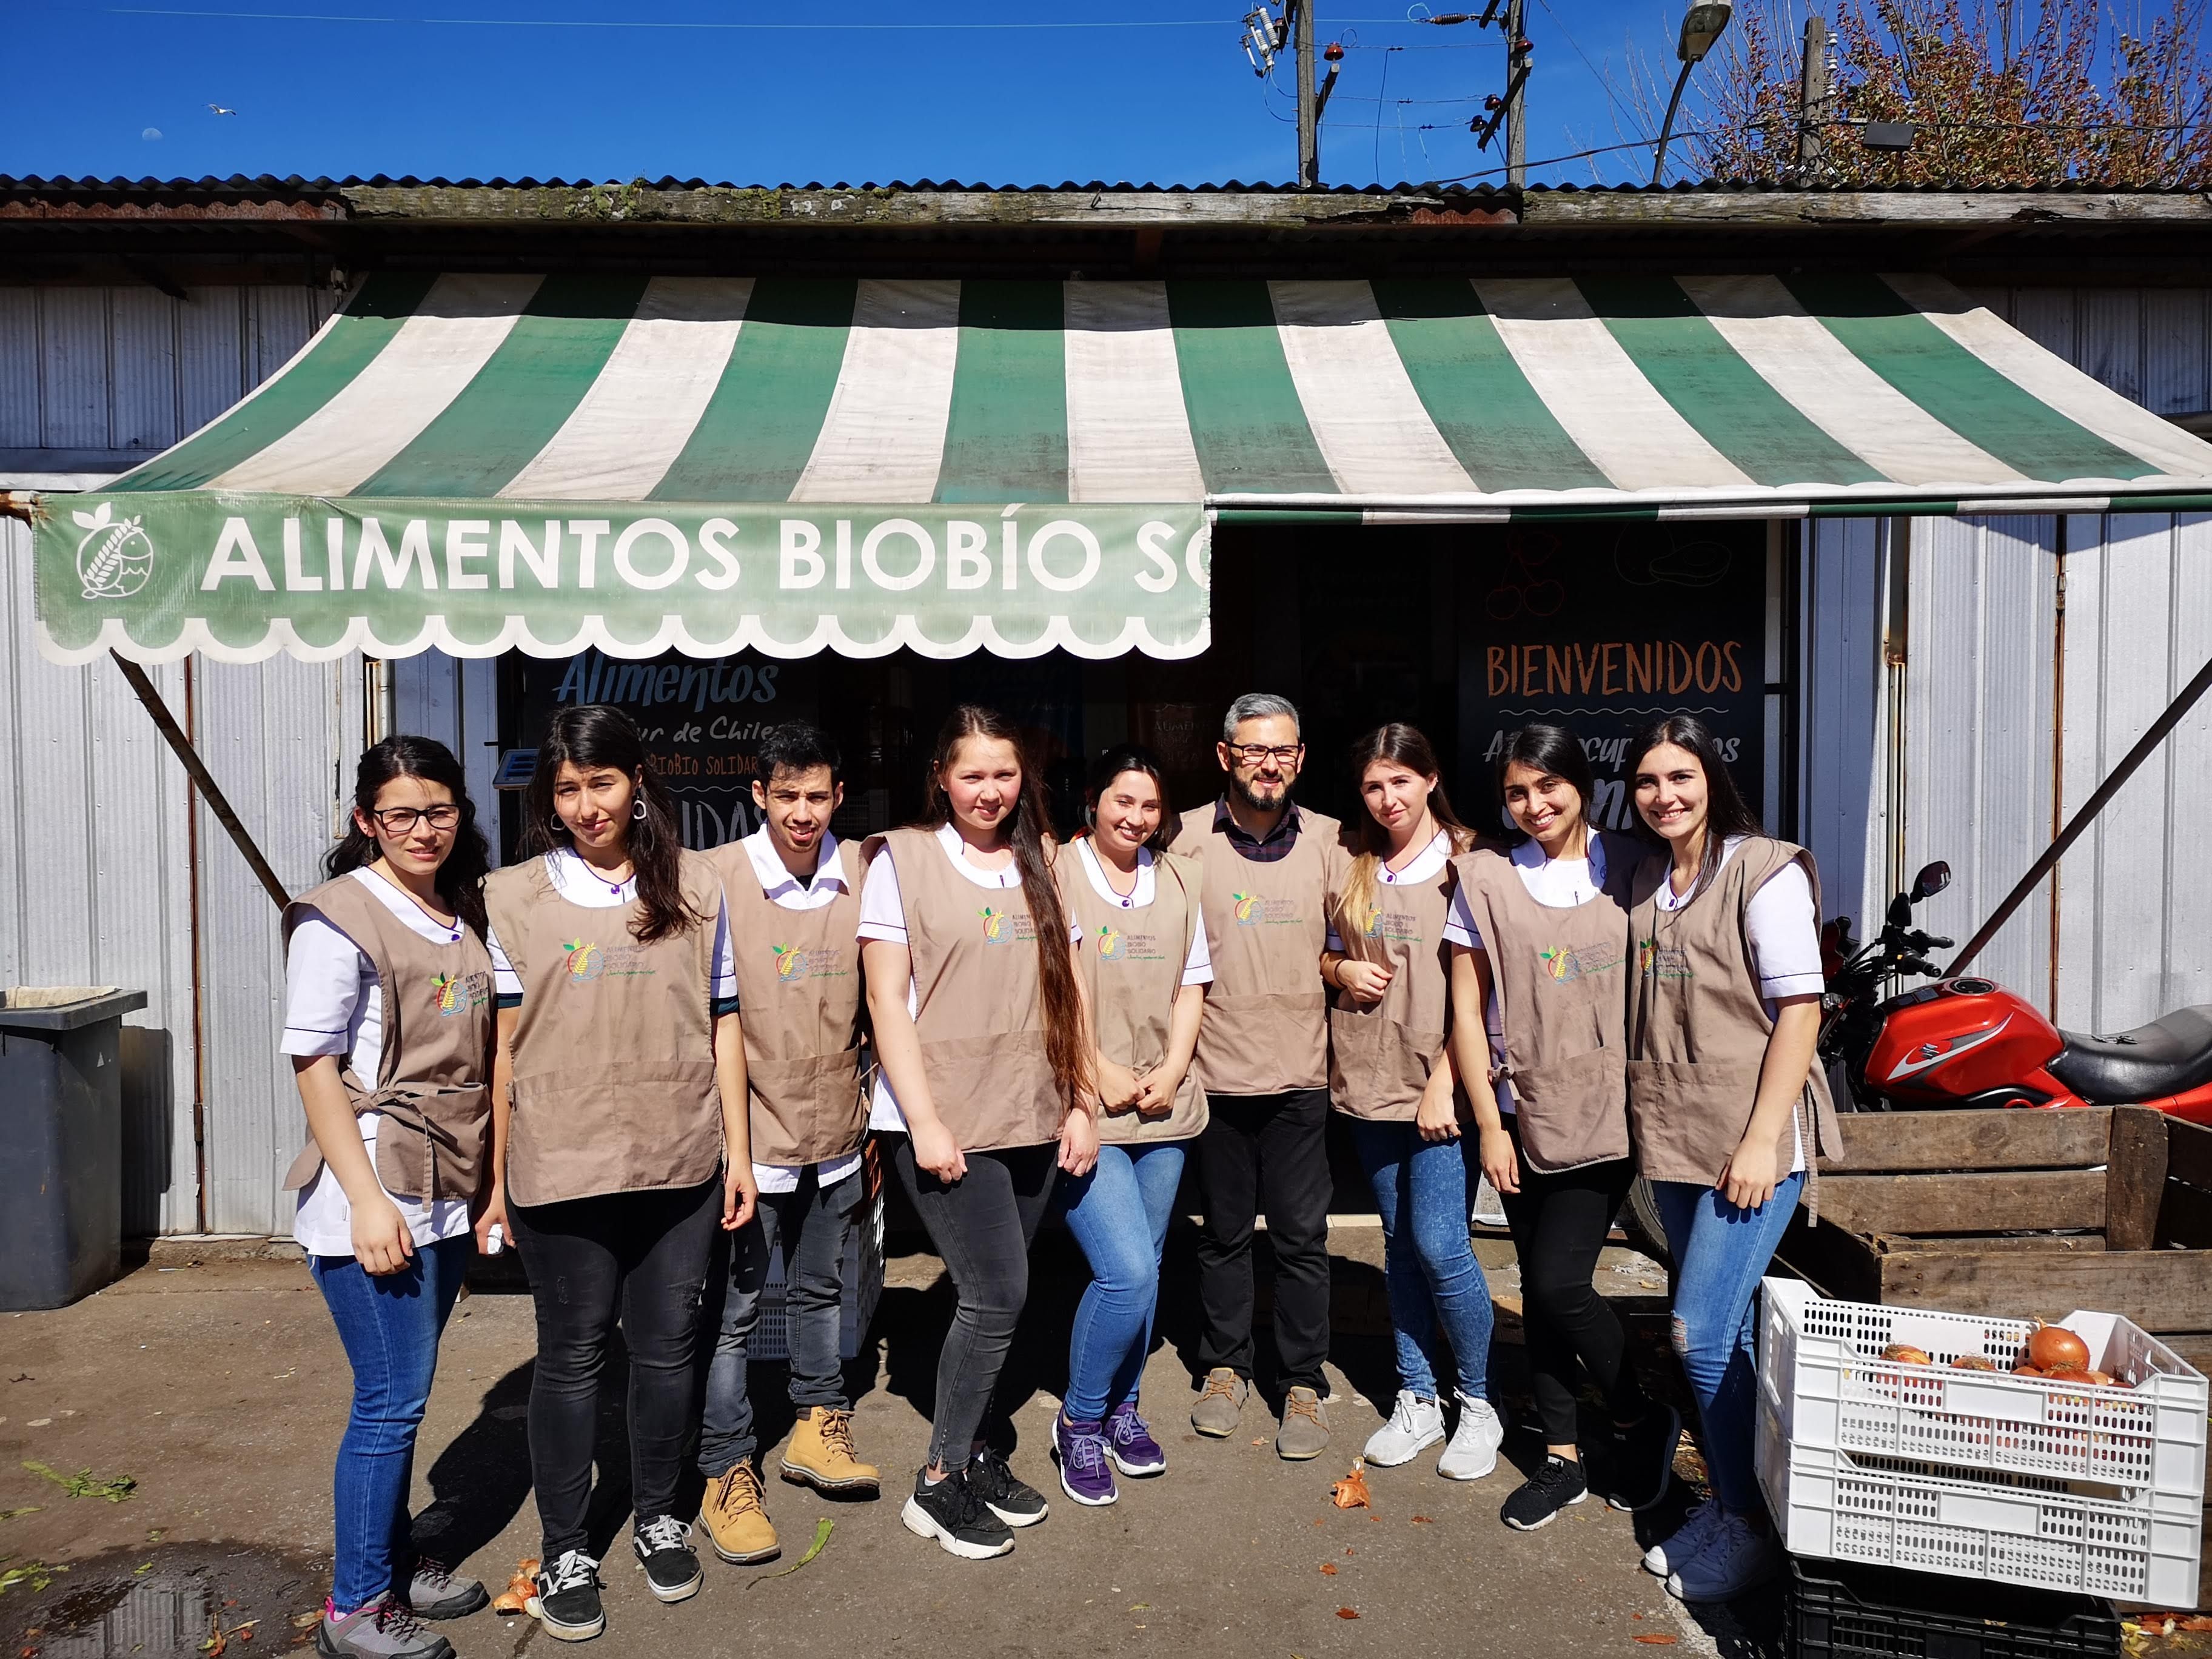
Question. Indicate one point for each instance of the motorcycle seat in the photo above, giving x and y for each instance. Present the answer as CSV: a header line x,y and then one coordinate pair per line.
x,y
2169,1057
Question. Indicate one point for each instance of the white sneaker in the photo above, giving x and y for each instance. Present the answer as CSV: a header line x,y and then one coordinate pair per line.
x,y
1415,1424
1671,1554
1474,1450
1734,1560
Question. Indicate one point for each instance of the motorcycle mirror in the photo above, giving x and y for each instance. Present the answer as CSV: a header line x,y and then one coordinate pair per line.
x,y
1932,880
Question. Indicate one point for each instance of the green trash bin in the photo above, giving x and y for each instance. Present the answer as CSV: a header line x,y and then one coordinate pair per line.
x,y
61,1142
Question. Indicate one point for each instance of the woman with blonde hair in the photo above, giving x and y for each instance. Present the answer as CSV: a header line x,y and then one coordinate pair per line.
x,y
1391,1072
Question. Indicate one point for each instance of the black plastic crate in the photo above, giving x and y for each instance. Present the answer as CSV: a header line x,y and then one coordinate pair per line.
x,y
1840,1610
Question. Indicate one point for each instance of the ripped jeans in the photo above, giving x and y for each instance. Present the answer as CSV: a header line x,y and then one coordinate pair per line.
x,y
1721,1253
641,1258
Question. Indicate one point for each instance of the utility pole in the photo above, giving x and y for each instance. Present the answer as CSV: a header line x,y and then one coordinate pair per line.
x,y
1812,94
1517,98
1309,115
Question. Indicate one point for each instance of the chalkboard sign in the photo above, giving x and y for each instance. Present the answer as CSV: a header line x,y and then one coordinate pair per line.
x,y
1606,629
703,719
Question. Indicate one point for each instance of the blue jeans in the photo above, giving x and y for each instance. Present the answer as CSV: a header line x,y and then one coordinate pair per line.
x,y
1118,1214
813,1225
1421,1190
390,1324
1721,1254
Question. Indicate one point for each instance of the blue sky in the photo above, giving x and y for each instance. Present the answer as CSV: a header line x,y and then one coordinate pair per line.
x,y
548,87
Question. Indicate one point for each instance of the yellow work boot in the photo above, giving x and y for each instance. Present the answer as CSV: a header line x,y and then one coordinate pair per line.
x,y
736,1518
820,1454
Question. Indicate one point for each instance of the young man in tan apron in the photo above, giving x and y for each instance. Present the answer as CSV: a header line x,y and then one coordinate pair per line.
x,y
793,891
1263,1061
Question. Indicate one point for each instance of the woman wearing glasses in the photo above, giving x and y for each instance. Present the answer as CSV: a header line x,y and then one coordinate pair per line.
x,y
620,1083
388,1021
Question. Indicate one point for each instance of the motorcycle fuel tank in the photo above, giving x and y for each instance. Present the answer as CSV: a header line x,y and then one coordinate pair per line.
x,y
1965,1042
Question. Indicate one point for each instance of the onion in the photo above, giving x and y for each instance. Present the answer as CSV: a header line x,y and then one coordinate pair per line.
x,y
2049,1346
1973,1362
2029,1370
2104,1379
1905,1354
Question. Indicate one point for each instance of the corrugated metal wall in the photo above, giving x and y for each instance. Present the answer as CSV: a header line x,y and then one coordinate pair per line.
x,y
1985,684
94,878
456,701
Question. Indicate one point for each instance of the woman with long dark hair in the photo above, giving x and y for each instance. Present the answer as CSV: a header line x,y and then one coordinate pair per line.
x,y
1539,986
984,1089
1392,1074
1146,967
388,1022
1726,1108
621,1130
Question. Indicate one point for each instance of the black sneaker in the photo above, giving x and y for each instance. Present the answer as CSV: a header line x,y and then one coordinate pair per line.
x,y
567,1602
1013,1501
672,1565
1643,1460
951,1513
1539,1499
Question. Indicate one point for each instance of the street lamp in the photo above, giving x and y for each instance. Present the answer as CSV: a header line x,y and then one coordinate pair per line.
x,y
1702,25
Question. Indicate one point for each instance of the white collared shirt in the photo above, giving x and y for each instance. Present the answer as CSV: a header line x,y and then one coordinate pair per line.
x,y
787,892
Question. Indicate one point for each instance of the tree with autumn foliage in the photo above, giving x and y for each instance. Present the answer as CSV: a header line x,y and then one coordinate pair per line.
x,y
2028,93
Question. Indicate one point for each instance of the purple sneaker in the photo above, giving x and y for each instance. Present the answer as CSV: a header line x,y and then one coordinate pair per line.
x,y
1081,1451
1129,1442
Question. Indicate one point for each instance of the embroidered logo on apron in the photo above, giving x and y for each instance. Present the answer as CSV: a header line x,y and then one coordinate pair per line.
x,y
794,966
1114,945
1001,928
1254,911
457,994
588,962
1663,960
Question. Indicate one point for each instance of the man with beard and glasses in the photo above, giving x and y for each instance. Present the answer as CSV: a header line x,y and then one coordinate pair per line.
x,y
1263,1060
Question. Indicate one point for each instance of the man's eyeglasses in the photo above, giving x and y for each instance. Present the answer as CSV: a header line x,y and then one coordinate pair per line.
x,y
1255,754
402,820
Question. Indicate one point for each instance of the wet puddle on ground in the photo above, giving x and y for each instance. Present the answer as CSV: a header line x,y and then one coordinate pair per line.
x,y
166,1601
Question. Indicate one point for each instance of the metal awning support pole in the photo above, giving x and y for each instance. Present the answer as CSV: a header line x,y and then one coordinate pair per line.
x,y
2176,712
203,780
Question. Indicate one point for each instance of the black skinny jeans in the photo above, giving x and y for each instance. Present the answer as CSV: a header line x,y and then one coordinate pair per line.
x,y
982,1226
1266,1154
1559,1223
640,1257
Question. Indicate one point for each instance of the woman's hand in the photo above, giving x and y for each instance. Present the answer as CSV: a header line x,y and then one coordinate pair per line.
x,y
1118,1088
1498,1161
381,1241
1078,1142
1157,1092
740,1195
1437,1115
494,1214
1364,982
1748,1179
937,1152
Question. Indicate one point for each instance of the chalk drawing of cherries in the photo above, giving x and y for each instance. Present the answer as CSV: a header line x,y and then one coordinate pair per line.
x,y
1526,589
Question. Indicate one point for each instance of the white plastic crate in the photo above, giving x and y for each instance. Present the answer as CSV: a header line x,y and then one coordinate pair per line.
x,y
1820,1362
864,1287
1988,1524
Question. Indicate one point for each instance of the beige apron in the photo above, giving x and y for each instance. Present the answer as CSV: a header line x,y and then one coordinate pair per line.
x,y
1267,1018
432,1089
980,1013
1697,1027
1133,963
614,1046
1380,1055
799,997
1561,977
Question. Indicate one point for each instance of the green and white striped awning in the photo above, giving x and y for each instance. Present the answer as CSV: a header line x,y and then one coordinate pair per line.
x,y
480,463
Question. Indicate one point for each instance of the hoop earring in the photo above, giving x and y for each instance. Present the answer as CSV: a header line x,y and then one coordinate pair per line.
x,y
637,810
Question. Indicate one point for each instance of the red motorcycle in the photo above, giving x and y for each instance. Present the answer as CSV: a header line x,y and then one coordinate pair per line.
x,y
1969,1041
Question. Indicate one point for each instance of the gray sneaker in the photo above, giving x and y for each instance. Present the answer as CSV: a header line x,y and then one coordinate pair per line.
x,y
1304,1432
1221,1404
385,1629
437,1591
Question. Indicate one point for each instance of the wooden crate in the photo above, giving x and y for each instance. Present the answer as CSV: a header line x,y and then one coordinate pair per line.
x,y
2022,1213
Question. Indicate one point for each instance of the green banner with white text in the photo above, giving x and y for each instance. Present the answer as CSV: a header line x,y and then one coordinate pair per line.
x,y
239,578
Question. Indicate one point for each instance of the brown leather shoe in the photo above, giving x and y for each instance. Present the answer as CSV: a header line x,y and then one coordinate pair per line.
x,y
1304,1432
1221,1404
736,1521
821,1454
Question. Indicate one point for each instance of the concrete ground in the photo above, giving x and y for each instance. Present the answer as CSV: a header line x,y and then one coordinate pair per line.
x,y
219,1387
